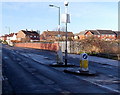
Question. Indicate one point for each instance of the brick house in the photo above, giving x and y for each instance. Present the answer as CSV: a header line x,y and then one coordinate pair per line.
x,y
28,36
107,34
117,34
102,34
80,35
55,35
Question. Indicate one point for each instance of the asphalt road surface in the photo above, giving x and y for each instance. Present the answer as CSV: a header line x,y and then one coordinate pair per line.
x,y
27,71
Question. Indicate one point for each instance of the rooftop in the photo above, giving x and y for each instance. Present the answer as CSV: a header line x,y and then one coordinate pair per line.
x,y
30,32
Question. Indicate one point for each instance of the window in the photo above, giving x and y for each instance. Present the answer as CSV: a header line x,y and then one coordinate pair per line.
x,y
113,35
98,35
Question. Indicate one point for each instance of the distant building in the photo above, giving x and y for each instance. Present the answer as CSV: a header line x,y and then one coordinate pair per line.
x,y
4,38
11,37
80,35
102,34
117,34
55,35
28,36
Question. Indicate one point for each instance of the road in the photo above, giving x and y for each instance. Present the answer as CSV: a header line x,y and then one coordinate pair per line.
x,y
27,71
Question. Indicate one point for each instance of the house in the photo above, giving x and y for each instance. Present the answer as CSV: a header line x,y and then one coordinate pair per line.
x,y
107,34
117,34
28,36
102,34
80,35
11,37
55,35
4,38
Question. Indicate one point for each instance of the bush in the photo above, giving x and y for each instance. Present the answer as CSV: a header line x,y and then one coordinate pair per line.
x,y
5,42
93,45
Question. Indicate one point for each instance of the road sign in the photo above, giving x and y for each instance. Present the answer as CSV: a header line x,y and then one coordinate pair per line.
x,y
83,62
65,18
85,56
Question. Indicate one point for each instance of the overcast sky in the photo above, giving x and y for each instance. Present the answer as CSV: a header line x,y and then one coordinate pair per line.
x,y
39,16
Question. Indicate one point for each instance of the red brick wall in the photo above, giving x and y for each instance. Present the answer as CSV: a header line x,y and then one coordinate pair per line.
x,y
45,46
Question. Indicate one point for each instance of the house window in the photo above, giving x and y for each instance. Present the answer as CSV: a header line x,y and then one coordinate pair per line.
x,y
34,36
30,36
98,35
113,35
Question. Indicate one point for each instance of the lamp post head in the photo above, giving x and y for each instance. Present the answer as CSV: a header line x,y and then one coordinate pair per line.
x,y
51,5
66,3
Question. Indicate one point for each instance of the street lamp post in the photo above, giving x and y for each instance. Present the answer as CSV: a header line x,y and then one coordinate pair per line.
x,y
66,8
58,19
65,19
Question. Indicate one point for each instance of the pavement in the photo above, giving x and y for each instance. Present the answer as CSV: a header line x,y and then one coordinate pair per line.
x,y
100,60
94,59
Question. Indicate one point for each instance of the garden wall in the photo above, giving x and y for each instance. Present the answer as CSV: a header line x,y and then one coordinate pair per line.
x,y
41,45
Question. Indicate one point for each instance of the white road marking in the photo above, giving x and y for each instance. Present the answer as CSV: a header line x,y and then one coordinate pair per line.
x,y
102,86
111,89
5,57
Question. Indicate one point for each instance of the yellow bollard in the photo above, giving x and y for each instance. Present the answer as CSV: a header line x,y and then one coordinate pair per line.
x,y
84,62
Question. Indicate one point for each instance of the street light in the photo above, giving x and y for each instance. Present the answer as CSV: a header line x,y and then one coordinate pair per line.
x,y
58,18
66,8
65,19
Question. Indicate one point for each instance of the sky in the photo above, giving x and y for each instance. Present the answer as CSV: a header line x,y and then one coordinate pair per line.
x,y
39,16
